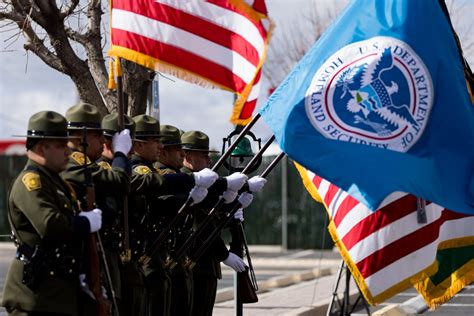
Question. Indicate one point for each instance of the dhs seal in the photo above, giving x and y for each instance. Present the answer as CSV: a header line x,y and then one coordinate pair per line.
x,y
376,92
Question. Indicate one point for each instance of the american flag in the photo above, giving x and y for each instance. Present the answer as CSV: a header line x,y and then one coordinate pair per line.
x,y
387,250
214,43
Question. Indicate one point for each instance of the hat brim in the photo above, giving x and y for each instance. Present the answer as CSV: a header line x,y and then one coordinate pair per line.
x,y
202,150
144,139
82,128
171,144
139,140
47,137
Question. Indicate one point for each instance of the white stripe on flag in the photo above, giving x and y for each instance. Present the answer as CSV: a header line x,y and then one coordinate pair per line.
x,y
358,213
420,259
222,17
392,197
254,93
165,33
336,202
393,232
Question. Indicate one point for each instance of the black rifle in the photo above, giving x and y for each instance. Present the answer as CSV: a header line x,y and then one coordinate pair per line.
x,y
184,210
126,253
228,216
194,235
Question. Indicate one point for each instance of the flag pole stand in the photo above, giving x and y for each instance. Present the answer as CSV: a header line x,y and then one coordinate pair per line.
x,y
344,307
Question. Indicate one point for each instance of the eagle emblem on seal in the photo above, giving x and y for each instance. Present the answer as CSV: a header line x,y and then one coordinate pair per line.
x,y
371,100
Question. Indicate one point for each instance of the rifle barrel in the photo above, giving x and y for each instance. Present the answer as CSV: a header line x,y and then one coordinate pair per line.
x,y
200,251
189,241
166,232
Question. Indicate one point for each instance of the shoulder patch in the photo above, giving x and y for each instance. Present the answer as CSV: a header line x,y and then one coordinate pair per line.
x,y
32,181
165,171
142,169
78,157
105,165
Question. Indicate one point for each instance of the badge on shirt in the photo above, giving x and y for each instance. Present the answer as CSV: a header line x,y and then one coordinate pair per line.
x,y
32,181
141,169
79,158
105,165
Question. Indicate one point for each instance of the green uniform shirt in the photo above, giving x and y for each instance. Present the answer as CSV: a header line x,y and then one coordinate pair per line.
x,y
111,183
43,212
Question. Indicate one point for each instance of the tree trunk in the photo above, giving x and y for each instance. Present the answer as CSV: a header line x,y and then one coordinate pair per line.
x,y
137,80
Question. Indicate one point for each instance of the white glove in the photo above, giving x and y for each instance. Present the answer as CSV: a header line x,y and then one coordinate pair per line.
x,y
236,181
205,178
256,183
229,196
198,194
122,142
82,280
95,219
239,215
245,199
104,292
235,262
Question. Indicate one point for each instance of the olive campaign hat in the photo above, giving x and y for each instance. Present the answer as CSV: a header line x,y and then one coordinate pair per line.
x,y
196,141
110,124
146,126
83,115
47,124
170,135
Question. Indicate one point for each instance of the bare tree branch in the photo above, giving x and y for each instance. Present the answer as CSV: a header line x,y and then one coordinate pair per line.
x,y
76,36
69,9
50,31
94,50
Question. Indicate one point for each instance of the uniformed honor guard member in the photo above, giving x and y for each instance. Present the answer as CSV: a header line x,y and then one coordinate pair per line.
x,y
146,185
107,181
170,162
48,227
207,270
112,232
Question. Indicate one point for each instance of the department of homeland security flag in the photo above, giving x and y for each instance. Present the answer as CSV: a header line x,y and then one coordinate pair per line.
x,y
213,43
379,105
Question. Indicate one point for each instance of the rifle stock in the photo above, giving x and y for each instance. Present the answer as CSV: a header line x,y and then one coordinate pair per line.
x,y
94,245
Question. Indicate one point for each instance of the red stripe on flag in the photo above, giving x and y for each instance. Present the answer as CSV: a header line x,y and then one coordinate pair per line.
x,y
405,245
250,104
332,190
346,206
317,182
193,24
247,109
179,57
379,219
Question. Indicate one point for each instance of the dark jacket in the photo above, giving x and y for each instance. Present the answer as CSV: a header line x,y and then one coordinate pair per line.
x,y
209,263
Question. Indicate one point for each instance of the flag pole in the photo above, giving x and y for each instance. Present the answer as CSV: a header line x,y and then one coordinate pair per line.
x,y
126,252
